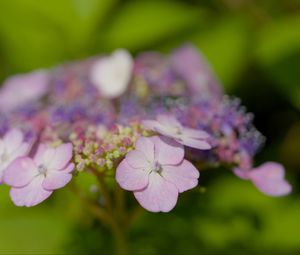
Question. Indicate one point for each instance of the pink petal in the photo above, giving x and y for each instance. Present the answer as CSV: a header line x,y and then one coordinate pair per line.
x,y
168,120
63,156
2,146
269,179
167,151
150,124
196,133
38,157
194,143
137,159
159,195
20,172
59,157
243,174
184,176
130,178
13,140
31,194
58,179
145,145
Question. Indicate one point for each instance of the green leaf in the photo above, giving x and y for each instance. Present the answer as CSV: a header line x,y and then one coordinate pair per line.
x,y
140,24
225,45
35,34
278,52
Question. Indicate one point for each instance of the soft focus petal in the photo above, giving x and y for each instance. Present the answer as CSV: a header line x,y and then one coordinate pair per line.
x,y
58,179
62,156
194,69
269,179
13,140
20,172
137,159
167,151
184,176
146,145
196,133
54,158
39,155
112,74
150,124
31,194
168,120
194,143
243,174
130,178
22,89
159,195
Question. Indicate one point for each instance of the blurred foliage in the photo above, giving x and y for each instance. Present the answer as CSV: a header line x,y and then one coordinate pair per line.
x,y
254,48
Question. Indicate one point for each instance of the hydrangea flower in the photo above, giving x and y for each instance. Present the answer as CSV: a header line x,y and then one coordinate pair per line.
x,y
111,75
12,146
22,89
268,178
33,180
169,126
102,106
156,172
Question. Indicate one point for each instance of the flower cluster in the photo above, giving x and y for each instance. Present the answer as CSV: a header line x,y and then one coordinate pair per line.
x,y
147,121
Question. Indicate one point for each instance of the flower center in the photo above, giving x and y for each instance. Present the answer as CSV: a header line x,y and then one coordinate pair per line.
x,y
157,168
42,169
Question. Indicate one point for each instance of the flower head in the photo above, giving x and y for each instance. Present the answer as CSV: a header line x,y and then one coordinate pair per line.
x,y
33,180
156,172
111,75
169,126
268,178
12,146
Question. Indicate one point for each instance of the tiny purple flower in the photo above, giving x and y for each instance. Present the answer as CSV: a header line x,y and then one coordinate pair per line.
x,y
157,172
33,180
169,126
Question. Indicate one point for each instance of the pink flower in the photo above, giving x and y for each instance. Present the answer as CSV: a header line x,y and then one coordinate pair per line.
x,y
12,146
33,180
21,89
169,126
194,69
156,172
268,178
111,75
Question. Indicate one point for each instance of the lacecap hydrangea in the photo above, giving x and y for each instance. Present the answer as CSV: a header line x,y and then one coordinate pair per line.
x,y
151,123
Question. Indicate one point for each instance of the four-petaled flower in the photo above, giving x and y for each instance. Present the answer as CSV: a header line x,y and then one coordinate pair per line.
x,y
268,178
156,172
169,126
33,180
111,75
12,146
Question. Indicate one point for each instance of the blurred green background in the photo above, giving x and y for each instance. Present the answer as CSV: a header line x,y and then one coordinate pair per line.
x,y
254,47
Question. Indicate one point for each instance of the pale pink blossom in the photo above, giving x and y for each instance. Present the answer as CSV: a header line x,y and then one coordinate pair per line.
x,y
191,65
157,172
24,88
111,75
268,178
168,125
33,180
12,146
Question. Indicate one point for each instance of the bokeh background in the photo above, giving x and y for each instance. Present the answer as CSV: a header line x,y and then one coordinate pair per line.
x,y
253,46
